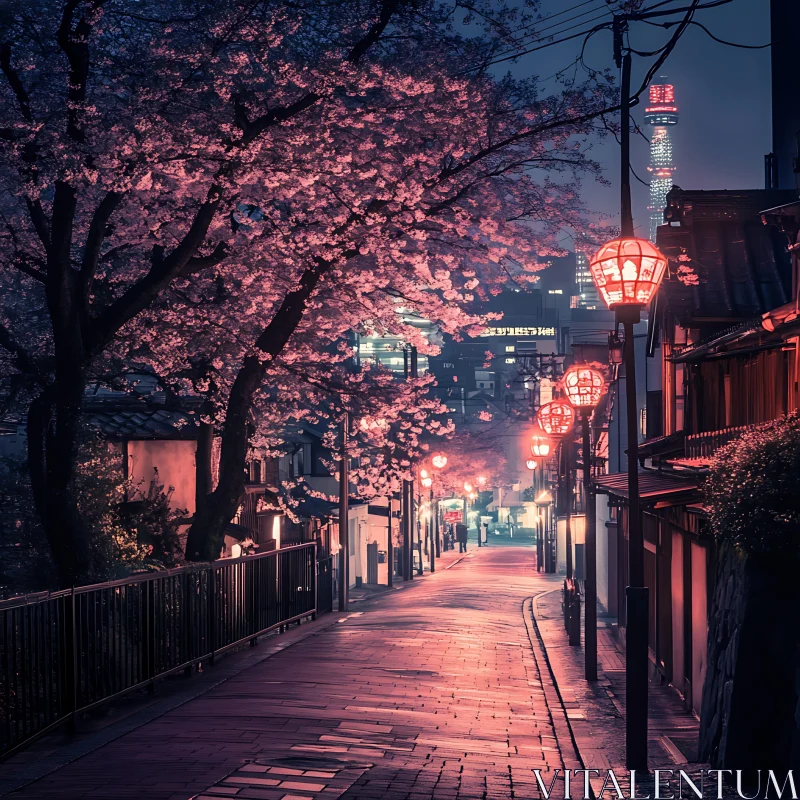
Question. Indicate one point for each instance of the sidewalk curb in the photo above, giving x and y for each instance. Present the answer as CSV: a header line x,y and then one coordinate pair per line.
x,y
555,703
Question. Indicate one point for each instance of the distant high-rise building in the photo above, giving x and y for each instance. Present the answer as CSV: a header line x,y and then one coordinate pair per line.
x,y
587,292
661,114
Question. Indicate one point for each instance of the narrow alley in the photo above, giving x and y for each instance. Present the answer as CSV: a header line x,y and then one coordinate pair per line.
x,y
437,691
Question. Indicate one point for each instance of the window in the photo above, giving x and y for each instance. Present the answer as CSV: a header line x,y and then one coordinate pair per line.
x,y
511,361
510,348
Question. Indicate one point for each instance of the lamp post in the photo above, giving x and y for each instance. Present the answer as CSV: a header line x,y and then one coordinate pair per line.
x,y
543,501
438,462
584,387
556,419
344,513
627,272
540,449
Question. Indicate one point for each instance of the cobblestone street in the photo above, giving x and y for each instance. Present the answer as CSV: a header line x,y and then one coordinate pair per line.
x,y
439,690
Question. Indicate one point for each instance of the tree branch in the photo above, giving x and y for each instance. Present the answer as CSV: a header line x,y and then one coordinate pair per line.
x,y
253,128
163,270
40,222
94,242
24,362
74,41
12,76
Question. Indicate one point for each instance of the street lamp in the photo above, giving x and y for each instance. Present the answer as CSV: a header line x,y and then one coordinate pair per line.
x,y
556,420
584,387
627,272
540,446
439,462
531,463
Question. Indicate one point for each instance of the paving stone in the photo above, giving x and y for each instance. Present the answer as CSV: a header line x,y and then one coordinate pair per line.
x,y
429,692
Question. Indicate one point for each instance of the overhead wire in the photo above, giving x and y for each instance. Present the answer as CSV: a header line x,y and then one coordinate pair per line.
x,y
511,53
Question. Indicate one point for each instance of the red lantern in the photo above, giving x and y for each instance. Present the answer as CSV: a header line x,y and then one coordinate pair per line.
x,y
439,461
540,446
627,271
556,418
584,386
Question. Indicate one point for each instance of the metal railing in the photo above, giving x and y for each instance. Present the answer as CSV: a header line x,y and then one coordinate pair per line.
x,y
66,652
701,445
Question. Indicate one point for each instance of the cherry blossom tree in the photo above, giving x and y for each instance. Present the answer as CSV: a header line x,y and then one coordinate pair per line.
x,y
224,190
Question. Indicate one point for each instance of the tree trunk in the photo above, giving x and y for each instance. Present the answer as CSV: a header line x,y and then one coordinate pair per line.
x,y
207,534
52,431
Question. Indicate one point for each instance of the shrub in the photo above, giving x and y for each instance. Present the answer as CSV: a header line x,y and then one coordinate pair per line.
x,y
754,489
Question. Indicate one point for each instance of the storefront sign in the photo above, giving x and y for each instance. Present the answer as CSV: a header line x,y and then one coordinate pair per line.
x,y
542,333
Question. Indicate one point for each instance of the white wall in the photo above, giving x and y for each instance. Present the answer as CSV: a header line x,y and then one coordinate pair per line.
x,y
603,583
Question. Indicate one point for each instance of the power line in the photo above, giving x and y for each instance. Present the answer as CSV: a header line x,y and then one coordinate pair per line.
x,y
553,16
507,55
537,34
535,49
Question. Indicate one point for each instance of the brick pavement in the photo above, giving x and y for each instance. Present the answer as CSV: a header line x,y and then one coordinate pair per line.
x,y
433,691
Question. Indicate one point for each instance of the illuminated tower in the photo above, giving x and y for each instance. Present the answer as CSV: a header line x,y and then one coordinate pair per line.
x,y
661,114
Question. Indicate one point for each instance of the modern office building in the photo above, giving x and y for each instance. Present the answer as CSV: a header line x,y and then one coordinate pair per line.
x,y
587,296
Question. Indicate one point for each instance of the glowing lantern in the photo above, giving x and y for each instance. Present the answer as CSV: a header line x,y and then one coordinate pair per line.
x,y
584,386
556,418
439,461
423,473
427,482
540,446
627,271
467,487
481,480
530,463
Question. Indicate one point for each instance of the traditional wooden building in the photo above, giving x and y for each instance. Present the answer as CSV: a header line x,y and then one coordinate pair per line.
x,y
723,370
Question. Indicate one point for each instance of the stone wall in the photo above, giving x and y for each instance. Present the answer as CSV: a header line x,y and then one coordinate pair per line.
x,y
750,697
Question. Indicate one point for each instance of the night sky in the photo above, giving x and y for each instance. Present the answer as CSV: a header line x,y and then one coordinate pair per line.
x,y
723,94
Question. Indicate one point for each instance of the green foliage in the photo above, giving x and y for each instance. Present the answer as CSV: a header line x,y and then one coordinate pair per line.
x,y
754,489
132,525
25,564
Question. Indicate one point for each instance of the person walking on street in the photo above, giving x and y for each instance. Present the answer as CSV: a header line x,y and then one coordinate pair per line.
x,y
461,537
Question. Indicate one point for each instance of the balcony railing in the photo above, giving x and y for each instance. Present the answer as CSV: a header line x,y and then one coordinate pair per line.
x,y
704,445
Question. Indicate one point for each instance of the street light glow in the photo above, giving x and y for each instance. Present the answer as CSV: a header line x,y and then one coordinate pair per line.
x,y
584,386
556,418
627,271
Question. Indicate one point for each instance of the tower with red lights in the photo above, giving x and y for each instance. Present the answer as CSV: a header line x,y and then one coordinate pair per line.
x,y
662,114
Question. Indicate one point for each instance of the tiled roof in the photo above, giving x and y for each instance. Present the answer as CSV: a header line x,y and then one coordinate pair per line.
x,y
742,265
653,486
121,417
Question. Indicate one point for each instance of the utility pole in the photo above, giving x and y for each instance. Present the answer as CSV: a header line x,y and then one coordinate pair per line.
x,y
390,548
344,545
590,600
434,529
636,594
407,512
